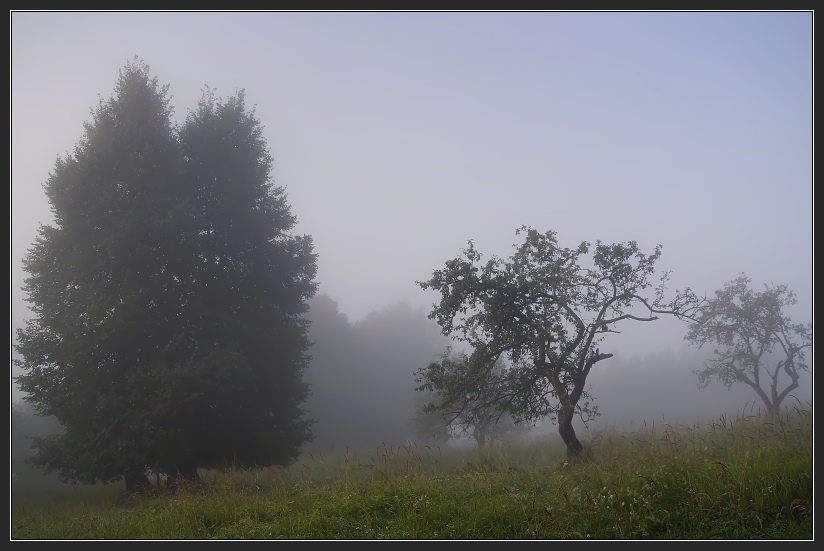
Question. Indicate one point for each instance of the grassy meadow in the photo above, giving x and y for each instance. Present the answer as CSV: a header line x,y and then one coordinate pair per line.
x,y
742,478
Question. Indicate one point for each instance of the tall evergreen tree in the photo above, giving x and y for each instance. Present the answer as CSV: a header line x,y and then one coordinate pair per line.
x,y
248,292
168,296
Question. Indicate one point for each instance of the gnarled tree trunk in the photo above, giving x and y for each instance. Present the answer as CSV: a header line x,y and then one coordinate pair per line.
x,y
574,448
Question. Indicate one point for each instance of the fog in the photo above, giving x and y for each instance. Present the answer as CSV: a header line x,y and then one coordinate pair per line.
x,y
363,388
363,396
399,136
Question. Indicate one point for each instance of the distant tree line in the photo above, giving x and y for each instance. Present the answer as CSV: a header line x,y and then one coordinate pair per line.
x,y
361,376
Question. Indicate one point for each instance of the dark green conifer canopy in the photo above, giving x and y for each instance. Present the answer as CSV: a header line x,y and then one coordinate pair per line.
x,y
168,296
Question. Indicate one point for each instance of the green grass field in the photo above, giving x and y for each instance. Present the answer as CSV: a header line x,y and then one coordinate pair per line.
x,y
741,478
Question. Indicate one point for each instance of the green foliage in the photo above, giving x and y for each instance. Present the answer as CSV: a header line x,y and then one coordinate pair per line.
x,y
545,312
168,297
733,479
757,344
468,409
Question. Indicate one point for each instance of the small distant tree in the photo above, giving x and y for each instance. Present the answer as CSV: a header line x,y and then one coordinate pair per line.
x,y
449,410
756,343
546,314
428,424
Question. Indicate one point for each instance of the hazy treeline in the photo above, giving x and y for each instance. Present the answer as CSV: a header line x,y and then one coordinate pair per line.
x,y
25,424
362,385
363,390
361,375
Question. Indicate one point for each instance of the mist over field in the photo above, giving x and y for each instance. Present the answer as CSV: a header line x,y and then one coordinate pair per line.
x,y
362,381
401,136
363,399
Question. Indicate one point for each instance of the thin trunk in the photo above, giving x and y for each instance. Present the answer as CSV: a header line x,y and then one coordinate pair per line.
x,y
480,438
574,448
772,413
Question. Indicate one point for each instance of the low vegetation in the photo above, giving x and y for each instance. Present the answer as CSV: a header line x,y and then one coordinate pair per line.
x,y
742,478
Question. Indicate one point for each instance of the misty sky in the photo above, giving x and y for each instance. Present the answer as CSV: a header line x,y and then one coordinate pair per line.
x,y
400,136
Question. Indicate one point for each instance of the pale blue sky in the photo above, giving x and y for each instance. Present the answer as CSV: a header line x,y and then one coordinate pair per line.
x,y
399,136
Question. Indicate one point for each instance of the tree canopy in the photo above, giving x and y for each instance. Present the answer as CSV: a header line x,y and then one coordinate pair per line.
x,y
477,415
168,297
757,344
545,313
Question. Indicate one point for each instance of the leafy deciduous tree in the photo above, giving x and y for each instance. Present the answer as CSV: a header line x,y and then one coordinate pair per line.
x,y
545,314
754,338
168,296
466,409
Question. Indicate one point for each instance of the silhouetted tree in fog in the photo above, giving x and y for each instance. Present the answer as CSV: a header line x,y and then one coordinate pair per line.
x,y
469,408
332,375
757,344
169,296
546,314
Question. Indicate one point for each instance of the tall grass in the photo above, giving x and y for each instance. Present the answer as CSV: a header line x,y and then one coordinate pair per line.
x,y
735,478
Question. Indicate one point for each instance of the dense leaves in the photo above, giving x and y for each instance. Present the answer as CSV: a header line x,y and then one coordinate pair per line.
x,y
168,295
545,313
756,343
